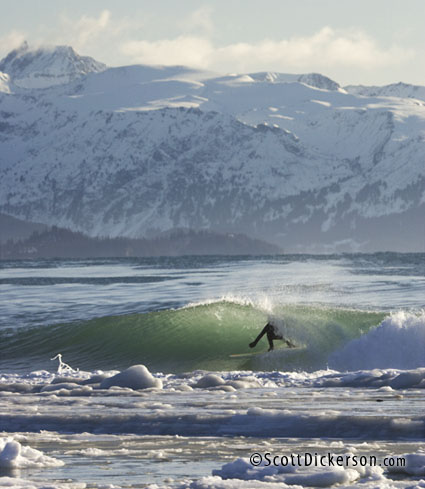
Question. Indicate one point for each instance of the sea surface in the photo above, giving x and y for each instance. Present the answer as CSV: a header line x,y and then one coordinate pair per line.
x,y
204,402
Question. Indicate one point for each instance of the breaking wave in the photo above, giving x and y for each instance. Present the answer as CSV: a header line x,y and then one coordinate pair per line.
x,y
204,336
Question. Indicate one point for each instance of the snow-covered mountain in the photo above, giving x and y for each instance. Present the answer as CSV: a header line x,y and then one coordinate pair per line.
x,y
399,90
315,80
42,68
138,150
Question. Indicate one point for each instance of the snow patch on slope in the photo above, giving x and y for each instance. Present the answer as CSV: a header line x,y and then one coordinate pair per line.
x,y
4,82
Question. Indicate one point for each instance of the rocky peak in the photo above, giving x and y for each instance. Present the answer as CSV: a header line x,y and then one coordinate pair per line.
x,y
45,67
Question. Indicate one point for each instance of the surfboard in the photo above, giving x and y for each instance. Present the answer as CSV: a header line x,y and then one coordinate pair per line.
x,y
246,355
256,353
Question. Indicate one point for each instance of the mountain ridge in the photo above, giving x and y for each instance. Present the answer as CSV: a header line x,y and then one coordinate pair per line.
x,y
136,151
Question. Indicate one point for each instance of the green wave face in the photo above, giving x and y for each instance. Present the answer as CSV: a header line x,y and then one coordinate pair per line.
x,y
198,337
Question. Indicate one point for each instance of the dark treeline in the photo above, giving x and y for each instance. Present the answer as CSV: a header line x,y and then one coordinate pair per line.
x,y
63,243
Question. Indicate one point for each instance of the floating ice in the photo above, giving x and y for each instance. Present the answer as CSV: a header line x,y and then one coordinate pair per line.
x,y
216,482
378,378
324,478
241,474
56,387
408,379
242,469
18,483
415,464
135,377
209,380
213,380
14,455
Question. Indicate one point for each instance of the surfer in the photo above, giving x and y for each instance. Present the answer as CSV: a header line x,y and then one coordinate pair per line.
x,y
272,334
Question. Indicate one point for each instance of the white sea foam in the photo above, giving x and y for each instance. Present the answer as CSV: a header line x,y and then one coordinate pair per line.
x,y
260,301
398,342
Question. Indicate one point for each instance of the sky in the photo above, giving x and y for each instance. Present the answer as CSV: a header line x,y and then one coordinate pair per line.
x,y
369,42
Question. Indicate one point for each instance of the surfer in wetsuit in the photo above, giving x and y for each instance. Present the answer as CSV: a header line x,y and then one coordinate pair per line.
x,y
272,334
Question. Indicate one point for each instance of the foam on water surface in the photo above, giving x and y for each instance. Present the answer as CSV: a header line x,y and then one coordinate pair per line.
x,y
398,342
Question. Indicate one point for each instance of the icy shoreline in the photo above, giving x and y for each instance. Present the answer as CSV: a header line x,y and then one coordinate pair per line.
x,y
209,462
198,429
376,404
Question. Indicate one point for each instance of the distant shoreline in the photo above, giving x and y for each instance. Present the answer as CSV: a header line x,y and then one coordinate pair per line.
x,y
59,243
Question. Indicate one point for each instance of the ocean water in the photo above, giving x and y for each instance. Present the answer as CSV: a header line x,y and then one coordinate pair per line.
x,y
354,386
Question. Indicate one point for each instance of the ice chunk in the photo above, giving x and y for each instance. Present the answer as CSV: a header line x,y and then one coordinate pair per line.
x,y
14,455
210,380
135,377
414,464
408,379
325,478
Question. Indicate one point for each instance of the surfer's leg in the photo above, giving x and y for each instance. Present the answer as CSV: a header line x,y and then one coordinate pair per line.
x,y
270,338
272,335
266,330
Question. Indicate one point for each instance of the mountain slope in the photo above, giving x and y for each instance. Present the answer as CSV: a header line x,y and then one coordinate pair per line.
x,y
294,159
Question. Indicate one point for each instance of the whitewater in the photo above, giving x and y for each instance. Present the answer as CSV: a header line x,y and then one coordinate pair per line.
x,y
147,390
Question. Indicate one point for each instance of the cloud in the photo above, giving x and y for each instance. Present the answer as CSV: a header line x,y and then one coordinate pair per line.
x,y
11,41
199,20
347,55
86,29
325,49
82,33
184,50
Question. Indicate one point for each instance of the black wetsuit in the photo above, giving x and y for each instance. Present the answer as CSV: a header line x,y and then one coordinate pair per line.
x,y
272,334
